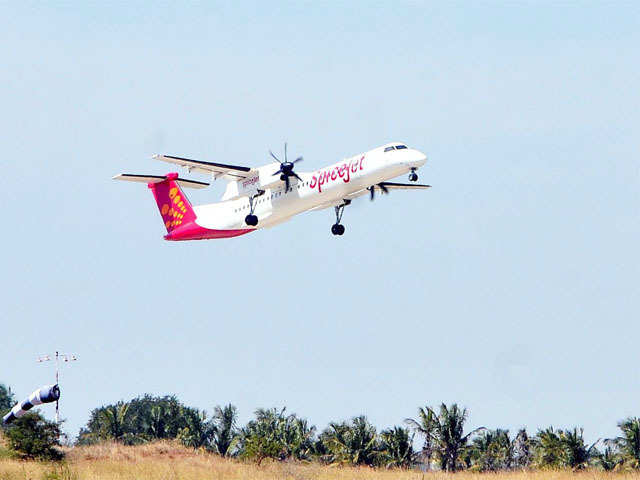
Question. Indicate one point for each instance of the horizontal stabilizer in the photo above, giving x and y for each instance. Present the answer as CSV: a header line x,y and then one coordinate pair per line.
x,y
183,182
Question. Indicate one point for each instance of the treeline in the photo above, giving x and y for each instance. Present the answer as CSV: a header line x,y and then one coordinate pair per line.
x,y
279,435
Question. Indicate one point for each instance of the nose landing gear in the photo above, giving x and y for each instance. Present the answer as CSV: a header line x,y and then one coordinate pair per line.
x,y
413,176
337,228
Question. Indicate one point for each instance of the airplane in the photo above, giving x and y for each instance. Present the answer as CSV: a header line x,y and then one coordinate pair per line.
x,y
266,196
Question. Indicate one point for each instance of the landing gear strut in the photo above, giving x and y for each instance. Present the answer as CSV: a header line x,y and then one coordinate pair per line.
x,y
337,228
251,219
413,176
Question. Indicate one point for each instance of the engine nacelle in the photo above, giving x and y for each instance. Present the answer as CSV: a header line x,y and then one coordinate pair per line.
x,y
260,178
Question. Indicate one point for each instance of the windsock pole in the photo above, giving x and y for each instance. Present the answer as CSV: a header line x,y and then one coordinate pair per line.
x,y
57,383
67,357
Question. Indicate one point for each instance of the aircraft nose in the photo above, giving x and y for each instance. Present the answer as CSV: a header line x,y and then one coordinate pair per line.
x,y
420,159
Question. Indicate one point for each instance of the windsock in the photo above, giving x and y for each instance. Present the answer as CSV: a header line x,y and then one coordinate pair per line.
x,y
46,394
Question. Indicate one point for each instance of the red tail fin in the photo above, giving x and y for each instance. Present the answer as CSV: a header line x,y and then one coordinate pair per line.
x,y
174,207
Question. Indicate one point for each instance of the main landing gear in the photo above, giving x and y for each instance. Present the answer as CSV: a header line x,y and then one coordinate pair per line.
x,y
251,219
413,176
337,228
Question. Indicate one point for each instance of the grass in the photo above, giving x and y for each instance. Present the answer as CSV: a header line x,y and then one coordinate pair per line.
x,y
168,461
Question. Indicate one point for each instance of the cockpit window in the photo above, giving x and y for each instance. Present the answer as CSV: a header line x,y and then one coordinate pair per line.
x,y
388,149
400,147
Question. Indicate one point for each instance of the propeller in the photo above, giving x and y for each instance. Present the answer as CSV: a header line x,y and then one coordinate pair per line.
x,y
372,190
286,168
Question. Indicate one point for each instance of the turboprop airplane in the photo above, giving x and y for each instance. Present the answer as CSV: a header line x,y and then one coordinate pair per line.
x,y
272,194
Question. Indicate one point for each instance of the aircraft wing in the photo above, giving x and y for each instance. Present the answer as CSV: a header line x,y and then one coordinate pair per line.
x,y
322,206
217,170
401,186
389,186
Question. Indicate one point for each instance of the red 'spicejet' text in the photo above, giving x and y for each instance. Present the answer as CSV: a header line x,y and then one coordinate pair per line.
x,y
343,171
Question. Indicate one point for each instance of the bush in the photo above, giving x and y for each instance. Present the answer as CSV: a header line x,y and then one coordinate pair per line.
x,y
33,437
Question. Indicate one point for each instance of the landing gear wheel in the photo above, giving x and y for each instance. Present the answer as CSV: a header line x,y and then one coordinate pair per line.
x,y
251,220
413,176
337,229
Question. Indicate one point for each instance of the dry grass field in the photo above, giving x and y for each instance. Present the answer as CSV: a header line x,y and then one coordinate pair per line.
x,y
168,461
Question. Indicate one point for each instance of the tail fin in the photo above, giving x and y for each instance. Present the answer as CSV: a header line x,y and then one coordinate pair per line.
x,y
175,208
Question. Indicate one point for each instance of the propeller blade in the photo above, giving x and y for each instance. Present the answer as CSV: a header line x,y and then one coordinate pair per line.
x,y
296,175
299,159
286,183
277,159
279,171
285,151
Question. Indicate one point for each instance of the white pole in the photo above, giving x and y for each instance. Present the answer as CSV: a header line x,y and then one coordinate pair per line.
x,y
57,380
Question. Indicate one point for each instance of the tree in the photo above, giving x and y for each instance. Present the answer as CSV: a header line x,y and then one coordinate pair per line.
x,y
261,437
423,426
224,429
549,450
629,442
197,432
352,443
492,450
396,445
577,454
446,431
115,421
278,436
298,438
558,448
142,419
6,399
609,459
33,437
521,449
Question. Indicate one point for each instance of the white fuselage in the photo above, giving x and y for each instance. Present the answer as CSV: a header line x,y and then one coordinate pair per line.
x,y
322,188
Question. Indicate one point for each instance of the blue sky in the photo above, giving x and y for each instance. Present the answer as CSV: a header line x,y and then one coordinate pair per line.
x,y
511,287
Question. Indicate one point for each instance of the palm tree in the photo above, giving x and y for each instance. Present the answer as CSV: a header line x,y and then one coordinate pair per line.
x,y
492,450
549,448
396,445
225,431
629,441
521,449
423,426
298,437
6,398
115,420
610,458
577,454
156,421
352,443
446,430
197,431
